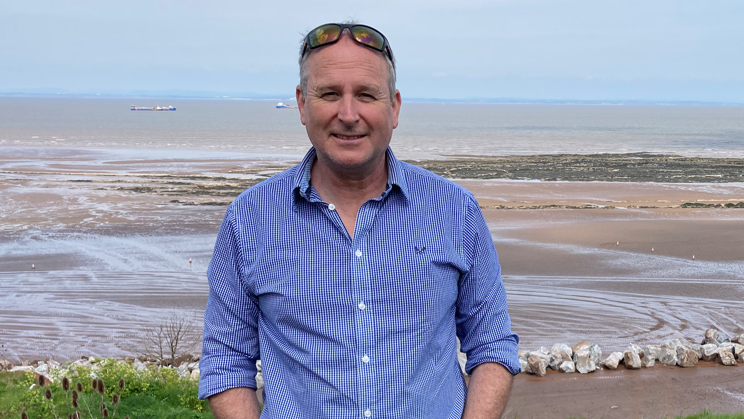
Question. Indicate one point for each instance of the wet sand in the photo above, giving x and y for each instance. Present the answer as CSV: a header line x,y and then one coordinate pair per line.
x,y
110,235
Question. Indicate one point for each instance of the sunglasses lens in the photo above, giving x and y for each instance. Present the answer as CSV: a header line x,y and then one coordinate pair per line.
x,y
368,36
323,35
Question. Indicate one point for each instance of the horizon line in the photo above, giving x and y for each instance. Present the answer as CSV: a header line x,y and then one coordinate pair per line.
x,y
206,95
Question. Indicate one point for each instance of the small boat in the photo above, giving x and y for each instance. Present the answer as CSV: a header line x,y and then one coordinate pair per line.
x,y
281,105
153,108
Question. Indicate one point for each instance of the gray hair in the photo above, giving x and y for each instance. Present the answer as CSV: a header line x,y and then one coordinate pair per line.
x,y
303,68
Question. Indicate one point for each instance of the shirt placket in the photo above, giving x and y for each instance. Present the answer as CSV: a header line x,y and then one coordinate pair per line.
x,y
366,358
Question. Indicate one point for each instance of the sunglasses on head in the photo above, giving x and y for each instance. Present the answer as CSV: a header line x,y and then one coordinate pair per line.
x,y
331,32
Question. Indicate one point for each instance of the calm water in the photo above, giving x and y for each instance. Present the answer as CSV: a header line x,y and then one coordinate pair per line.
x,y
426,130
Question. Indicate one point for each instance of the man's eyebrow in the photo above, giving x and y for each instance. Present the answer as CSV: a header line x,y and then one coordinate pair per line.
x,y
362,87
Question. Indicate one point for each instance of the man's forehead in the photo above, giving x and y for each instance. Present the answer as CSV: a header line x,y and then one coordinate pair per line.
x,y
346,52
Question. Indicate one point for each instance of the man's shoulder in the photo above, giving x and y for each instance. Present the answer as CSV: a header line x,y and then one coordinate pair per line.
x,y
267,192
421,181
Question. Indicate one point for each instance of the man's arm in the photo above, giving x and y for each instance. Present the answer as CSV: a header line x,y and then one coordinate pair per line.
x,y
488,392
235,403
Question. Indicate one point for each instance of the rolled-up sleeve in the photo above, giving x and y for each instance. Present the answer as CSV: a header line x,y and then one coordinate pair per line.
x,y
230,348
483,322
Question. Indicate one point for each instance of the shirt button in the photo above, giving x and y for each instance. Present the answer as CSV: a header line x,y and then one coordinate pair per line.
x,y
362,306
358,253
367,413
365,359
331,207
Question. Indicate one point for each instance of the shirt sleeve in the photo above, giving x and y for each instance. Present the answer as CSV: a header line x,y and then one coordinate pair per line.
x,y
230,349
483,322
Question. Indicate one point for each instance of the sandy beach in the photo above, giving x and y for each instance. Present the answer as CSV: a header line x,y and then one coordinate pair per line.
x,y
110,235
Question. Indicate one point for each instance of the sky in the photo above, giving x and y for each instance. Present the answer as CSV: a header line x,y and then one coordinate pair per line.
x,y
656,50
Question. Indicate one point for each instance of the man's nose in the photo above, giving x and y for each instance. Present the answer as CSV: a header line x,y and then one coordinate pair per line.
x,y
347,111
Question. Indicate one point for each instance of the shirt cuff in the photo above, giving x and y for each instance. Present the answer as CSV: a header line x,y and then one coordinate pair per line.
x,y
503,352
218,378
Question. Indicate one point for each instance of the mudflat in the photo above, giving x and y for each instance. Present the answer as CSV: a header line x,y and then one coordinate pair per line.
x,y
111,237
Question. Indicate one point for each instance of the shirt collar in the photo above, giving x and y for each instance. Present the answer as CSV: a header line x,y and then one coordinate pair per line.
x,y
301,186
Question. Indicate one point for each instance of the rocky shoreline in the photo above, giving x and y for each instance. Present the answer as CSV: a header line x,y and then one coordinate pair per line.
x,y
586,357
632,167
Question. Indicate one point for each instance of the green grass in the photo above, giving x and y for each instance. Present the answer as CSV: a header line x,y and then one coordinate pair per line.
x,y
151,394
154,393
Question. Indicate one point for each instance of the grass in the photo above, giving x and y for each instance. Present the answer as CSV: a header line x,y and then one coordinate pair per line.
x,y
153,393
150,394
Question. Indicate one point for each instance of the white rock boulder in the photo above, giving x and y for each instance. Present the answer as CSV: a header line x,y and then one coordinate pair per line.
x,y
613,360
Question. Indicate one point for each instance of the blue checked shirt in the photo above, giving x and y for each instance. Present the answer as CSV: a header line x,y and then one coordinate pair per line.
x,y
360,327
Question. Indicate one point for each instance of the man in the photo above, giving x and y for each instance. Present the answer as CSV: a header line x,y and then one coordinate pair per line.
x,y
351,274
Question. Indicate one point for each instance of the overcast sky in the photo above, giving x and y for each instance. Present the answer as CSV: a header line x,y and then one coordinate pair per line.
x,y
535,49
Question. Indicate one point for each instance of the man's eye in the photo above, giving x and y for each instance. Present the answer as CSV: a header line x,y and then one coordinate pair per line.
x,y
367,96
329,95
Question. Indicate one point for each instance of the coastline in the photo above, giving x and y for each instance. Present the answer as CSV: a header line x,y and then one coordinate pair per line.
x,y
111,238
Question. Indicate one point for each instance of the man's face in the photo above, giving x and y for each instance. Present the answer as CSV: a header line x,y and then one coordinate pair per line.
x,y
347,109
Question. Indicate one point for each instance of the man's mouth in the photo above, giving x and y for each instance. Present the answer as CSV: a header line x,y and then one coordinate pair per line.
x,y
348,137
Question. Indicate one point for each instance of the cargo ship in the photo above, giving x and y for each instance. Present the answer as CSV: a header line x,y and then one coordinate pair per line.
x,y
153,108
281,105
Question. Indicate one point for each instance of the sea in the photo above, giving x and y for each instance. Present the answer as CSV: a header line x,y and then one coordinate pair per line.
x,y
426,130
85,270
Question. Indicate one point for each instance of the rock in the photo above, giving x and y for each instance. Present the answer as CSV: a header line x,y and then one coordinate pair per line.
x,y
636,349
738,349
41,369
727,346
22,368
543,350
594,351
715,337
738,339
183,370
537,365
523,366
567,366
710,337
554,362
710,352
675,343
686,357
540,354
258,363
5,365
584,361
259,380
667,355
652,350
559,353
613,360
727,357
181,359
581,346
698,349
53,364
139,365
648,361
523,354
195,374
632,360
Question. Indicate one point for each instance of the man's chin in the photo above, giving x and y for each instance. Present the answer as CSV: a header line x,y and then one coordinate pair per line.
x,y
350,161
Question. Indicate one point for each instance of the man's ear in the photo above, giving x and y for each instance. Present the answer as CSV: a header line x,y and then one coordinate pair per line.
x,y
300,103
396,108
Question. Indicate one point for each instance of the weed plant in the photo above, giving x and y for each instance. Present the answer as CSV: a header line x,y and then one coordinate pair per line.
x,y
109,389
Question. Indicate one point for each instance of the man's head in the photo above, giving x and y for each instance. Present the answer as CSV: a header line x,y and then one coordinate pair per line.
x,y
348,102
